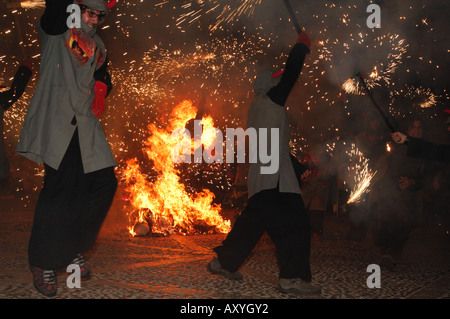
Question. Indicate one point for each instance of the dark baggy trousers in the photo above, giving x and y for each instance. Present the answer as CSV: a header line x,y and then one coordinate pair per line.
x,y
284,217
70,210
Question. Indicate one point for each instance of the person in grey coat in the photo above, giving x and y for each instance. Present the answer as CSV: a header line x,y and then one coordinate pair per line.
x,y
62,131
275,200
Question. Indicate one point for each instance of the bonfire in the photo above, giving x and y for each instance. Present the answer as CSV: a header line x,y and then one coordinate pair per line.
x,y
164,206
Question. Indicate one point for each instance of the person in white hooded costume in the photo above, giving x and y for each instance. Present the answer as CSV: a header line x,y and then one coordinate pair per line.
x,y
275,202
62,131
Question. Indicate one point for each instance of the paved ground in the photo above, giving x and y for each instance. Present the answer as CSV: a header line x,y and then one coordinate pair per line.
x,y
174,267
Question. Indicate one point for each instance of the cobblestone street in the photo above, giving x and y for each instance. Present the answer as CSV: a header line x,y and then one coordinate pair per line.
x,y
174,267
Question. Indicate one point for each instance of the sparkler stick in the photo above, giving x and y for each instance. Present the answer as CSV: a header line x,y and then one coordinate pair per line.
x,y
293,17
369,93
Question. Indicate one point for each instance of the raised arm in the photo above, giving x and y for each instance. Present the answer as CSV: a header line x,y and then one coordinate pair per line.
x,y
54,19
294,64
21,78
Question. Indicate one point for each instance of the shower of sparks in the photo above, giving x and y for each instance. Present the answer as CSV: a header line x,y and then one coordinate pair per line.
x,y
382,69
212,63
220,70
362,175
225,12
245,7
422,97
363,184
350,86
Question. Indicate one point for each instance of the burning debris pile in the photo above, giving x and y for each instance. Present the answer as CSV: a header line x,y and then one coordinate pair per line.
x,y
163,206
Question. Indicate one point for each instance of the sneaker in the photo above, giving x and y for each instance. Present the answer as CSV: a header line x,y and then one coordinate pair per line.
x,y
85,272
44,281
297,285
215,267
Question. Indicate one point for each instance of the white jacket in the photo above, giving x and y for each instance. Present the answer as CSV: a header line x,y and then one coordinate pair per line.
x,y
264,113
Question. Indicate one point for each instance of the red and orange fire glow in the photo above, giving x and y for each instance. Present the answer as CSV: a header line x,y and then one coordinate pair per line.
x,y
164,204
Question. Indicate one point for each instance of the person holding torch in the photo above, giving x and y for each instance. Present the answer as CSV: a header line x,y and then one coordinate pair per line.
x,y
275,201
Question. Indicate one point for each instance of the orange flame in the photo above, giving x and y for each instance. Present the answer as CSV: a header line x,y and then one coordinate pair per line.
x,y
165,202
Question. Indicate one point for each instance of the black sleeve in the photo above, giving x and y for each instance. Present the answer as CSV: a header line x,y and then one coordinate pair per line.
x,y
54,19
299,168
294,64
102,75
21,78
427,150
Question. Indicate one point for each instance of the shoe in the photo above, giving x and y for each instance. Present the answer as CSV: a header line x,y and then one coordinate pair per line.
x,y
85,272
215,267
44,281
297,285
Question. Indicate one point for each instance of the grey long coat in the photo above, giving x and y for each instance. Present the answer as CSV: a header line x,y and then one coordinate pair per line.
x,y
66,90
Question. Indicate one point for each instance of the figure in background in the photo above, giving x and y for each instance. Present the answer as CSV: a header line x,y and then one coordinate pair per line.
x,y
399,199
437,194
7,98
371,142
418,147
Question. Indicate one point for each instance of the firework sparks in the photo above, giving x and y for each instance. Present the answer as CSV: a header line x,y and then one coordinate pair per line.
x,y
224,11
363,175
351,86
33,4
363,184
383,69
418,96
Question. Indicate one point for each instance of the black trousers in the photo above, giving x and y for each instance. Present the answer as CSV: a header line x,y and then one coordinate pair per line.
x,y
70,210
284,217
